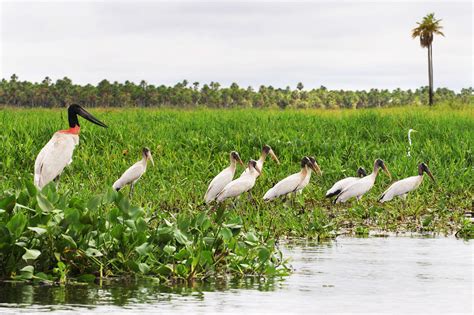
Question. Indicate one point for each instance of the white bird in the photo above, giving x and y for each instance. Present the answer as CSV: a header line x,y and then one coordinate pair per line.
x,y
134,172
409,141
344,183
242,184
57,153
363,185
223,178
266,150
402,187
294,183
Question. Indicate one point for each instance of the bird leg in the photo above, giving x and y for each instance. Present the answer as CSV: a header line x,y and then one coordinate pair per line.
x,y
130,195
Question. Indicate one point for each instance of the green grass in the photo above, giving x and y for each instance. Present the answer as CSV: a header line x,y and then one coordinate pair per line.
x,y
191,147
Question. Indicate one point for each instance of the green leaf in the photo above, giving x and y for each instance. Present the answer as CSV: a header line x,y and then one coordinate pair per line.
x,y
206,257
30,254
142,249
226,234
169,249
144,268
17,224
70,240
27,272
44,203
92,252
86,278
263,254
141,225
38,230
94,202
8,203
181,237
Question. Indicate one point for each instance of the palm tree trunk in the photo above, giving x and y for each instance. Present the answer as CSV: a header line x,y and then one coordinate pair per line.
x,y
432,84
430,77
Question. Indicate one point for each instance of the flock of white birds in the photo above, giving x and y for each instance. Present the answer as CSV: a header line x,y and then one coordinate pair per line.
x,y
58,152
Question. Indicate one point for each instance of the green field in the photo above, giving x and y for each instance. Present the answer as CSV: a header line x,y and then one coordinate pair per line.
x,y
191,147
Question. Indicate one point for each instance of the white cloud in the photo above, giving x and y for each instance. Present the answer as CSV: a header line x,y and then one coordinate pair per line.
x,y
343,44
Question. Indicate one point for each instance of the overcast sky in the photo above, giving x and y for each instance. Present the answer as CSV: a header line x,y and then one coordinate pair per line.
x,y
338,44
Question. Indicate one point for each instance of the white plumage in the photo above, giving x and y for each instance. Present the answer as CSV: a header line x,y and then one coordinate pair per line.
x,y
240,185
54,157
344,183
134,172
402,187
223,178
57,153
363,185
293,183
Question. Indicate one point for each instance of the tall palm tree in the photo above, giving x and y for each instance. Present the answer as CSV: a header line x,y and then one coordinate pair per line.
x,y
426,30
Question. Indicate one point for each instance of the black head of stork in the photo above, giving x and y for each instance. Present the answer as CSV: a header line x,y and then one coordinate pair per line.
x,y
422,167
253,164
234,155
314,165
381,164
361,172
147,155
268,150
74,110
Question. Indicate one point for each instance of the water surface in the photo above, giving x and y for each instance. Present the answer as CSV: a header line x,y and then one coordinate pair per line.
x,y
366,275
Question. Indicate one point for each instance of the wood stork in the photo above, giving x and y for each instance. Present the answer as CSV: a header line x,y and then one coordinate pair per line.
x,y
134,172
344,183
223,178
294,183
57,153
409,141
266,150
363,185
402,187
242,184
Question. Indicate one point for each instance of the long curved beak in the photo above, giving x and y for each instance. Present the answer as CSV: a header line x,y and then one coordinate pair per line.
x,y
258,170
240,161
274,157
431,176
86,115
385,169
151,159
315,167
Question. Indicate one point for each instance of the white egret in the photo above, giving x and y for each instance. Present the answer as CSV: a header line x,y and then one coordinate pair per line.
x,y
363,185
134,172
242,184
344,183
223,178
57,153
402,187
266,150
409,141
294,183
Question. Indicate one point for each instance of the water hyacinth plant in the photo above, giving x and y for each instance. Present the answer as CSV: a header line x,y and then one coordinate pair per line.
x,y
55,237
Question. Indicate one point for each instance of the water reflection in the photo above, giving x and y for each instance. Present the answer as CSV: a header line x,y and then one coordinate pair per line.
x,y
366,275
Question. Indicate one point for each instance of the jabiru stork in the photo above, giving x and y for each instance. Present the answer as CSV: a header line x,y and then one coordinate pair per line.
x,y
57,153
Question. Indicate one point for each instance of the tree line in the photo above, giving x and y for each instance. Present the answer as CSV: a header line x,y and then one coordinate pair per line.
x,y
63,91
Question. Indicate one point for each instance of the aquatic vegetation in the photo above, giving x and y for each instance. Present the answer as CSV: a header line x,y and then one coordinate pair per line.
x,y
49,236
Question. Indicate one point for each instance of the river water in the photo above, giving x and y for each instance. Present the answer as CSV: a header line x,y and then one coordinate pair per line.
x,y
394,275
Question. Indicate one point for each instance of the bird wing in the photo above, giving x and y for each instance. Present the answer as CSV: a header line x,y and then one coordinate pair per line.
x,y
283,187
236,187
400,187
218,183
356,189
133,173
54,157
340,185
